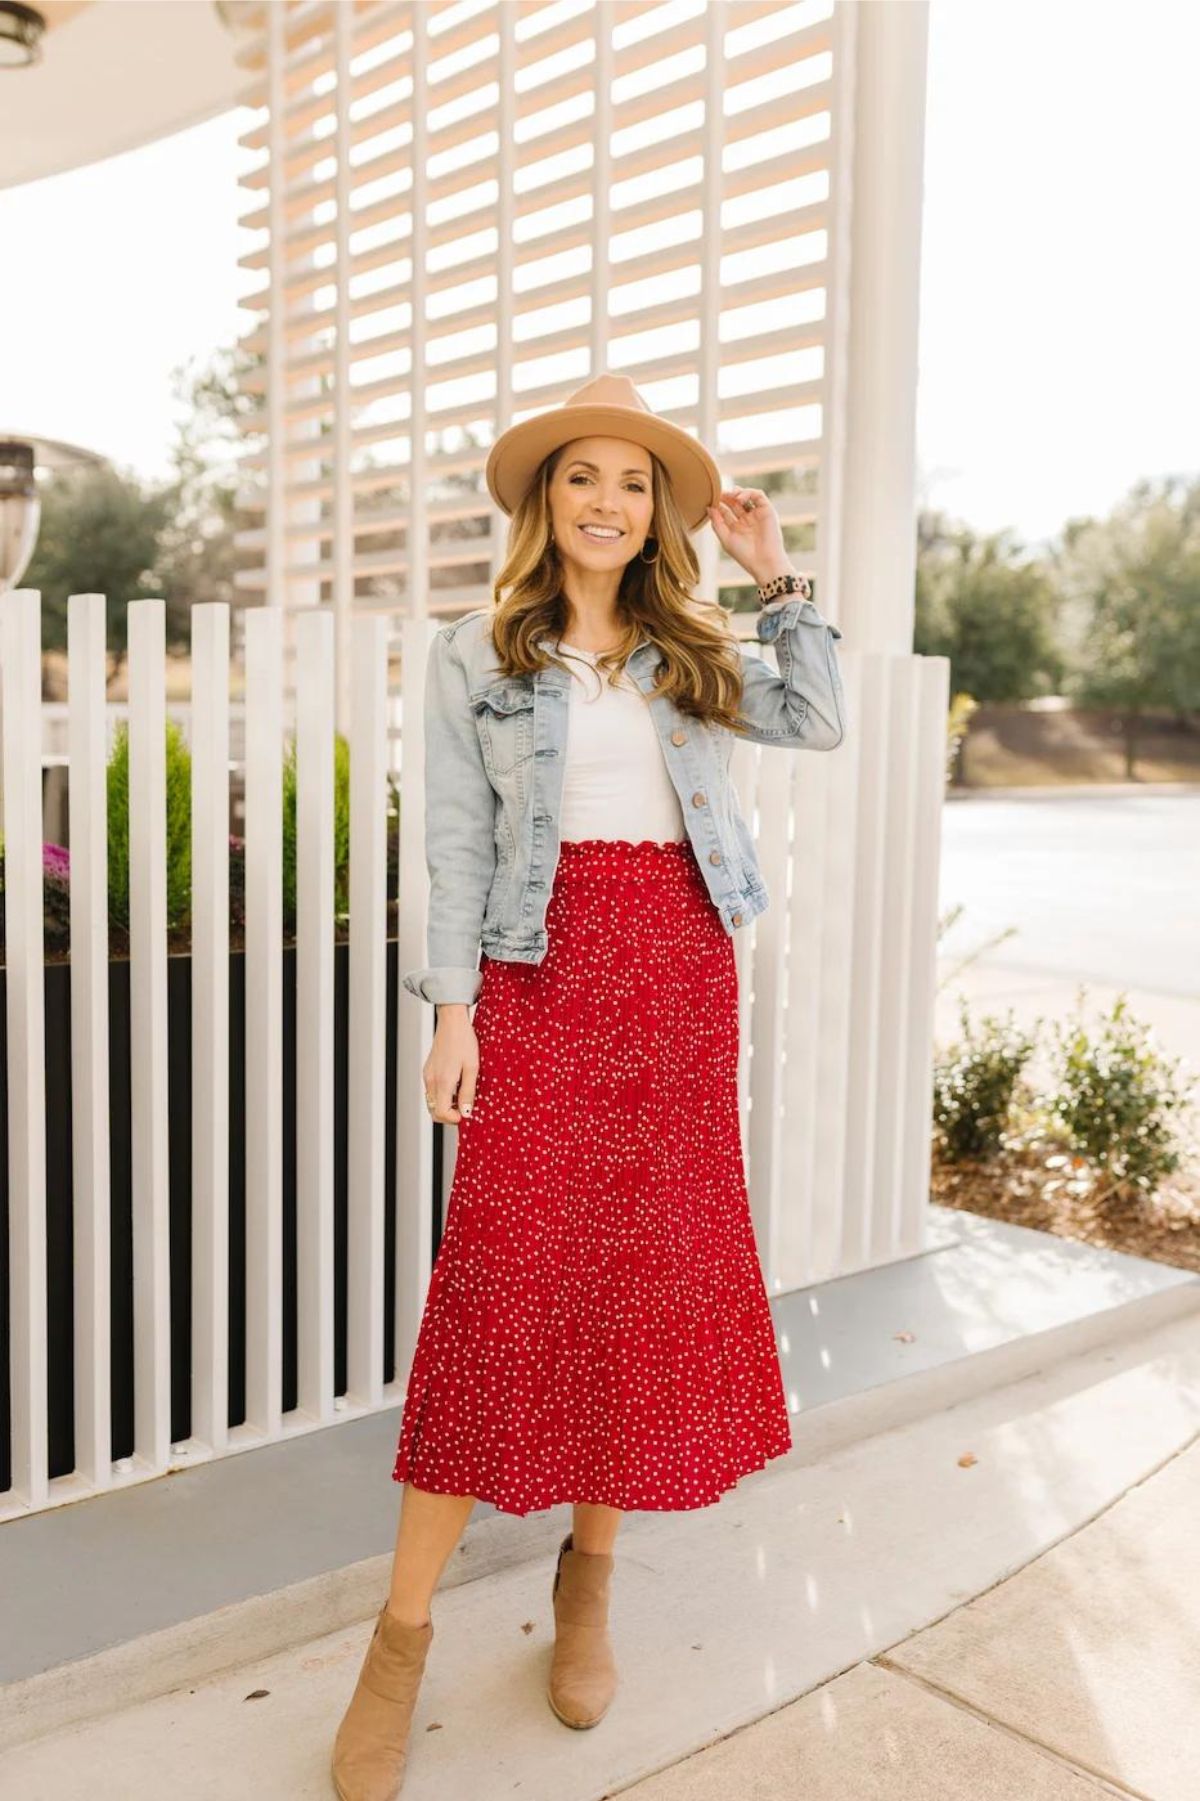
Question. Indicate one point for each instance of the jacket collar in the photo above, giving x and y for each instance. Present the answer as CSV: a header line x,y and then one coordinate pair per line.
x,y
553,680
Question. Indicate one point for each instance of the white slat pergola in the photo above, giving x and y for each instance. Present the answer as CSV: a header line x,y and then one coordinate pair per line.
x,y
466,211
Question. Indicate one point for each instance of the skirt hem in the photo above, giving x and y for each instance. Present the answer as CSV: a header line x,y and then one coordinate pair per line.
x,y
604,1500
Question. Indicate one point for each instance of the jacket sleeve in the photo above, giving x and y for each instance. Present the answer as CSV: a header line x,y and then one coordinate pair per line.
x,y
803,707
460,843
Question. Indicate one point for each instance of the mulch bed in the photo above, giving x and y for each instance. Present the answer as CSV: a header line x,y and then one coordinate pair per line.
x,y
1035,1180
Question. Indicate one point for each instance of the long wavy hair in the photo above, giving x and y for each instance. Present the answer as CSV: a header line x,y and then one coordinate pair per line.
x,y
700,664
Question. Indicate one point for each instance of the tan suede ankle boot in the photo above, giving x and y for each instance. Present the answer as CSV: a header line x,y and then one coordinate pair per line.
x,y
583,1670
371,1747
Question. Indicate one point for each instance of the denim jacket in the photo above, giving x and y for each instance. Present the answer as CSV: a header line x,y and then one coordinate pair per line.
x,y
494,751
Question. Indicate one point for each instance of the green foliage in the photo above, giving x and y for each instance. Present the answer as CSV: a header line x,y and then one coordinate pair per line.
x,y
117,794
1131,606
56,860
179,827
1116,1095
197,557
98,535
341,830
991,613
975,1083
107,532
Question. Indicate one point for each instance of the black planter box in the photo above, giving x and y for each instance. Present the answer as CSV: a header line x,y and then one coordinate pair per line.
x,y
59,1199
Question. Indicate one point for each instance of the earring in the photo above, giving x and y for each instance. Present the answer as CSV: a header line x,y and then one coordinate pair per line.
x,y
654,558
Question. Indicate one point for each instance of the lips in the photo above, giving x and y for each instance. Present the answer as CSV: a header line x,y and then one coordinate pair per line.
x,y
602,536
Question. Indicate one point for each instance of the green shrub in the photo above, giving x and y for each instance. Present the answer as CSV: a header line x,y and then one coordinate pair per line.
x,y
341,830
974,1085
179,843
1115,1097
179,827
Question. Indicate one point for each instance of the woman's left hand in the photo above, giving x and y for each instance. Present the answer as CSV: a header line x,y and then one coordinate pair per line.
x,y
747,526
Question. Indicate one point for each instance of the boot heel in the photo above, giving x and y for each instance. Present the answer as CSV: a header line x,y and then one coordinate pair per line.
x,y
370,1751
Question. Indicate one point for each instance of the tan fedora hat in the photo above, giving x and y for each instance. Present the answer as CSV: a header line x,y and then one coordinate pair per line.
x,y
609,406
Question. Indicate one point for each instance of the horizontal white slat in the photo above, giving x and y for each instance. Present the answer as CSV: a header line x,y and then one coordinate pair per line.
x,y
788,286
743,64
302,410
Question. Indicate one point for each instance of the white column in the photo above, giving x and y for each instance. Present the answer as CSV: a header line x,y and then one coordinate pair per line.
x,y
875,528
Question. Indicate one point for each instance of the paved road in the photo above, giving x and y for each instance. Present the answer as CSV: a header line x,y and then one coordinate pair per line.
x,y
1103,890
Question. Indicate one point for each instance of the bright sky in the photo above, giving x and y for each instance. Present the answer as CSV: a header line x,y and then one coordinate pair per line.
x,y
1059,359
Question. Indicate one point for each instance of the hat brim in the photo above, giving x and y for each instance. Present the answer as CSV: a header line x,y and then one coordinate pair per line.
x,y
516,455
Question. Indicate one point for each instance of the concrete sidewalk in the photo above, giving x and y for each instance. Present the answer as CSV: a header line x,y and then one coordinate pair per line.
x,y
998,1600
1077,1677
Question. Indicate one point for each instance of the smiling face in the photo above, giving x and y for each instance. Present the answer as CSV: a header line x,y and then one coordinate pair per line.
x,y
606,483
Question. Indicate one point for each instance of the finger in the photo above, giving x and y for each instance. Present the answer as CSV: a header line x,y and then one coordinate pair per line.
x,y
442,1108
752,503
466,1088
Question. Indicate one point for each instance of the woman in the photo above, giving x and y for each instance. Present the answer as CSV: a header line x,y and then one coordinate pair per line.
x,y
596,1328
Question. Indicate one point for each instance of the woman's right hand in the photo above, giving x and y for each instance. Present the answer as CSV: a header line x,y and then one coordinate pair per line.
x,y
451,1069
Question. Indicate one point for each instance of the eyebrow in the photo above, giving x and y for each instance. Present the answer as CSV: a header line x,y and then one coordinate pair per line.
x,y
578,463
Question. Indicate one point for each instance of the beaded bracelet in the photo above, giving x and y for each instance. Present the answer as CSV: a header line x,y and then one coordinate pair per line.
x,y
791,583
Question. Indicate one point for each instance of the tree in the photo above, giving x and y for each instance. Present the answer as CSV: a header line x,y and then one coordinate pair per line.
x,y
105,531
1130,587
99,535
197,559
992,613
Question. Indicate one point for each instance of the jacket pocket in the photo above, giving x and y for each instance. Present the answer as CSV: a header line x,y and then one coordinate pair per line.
x,y
503,716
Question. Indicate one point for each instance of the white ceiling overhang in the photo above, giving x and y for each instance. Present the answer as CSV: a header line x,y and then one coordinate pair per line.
x,y
113,76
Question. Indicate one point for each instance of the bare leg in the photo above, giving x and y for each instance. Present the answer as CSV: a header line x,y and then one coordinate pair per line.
x,y
594,1528
430,1527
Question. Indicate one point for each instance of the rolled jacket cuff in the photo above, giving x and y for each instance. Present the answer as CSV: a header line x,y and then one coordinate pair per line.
x,y
781,615
444,985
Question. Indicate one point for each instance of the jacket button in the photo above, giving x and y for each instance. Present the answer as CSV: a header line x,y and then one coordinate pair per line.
x,y
737,919
678,737
714,856
697,800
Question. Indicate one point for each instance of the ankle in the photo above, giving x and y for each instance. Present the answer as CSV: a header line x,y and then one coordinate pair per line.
x,y
415,1617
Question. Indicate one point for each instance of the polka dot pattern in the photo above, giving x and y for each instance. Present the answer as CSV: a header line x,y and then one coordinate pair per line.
x,y
596,1327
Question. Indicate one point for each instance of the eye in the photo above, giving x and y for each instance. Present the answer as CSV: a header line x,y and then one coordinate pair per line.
x,y
582,476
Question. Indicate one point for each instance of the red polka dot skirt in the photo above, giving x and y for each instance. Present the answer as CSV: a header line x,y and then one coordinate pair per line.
x,y
596,1326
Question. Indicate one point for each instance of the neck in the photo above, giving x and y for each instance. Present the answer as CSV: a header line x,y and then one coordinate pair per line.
x,y
591,615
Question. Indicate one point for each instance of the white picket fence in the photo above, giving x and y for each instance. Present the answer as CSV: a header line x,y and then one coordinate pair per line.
x,y
836,982
266,725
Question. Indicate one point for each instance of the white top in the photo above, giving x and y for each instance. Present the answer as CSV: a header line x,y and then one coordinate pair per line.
x,y
615,780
